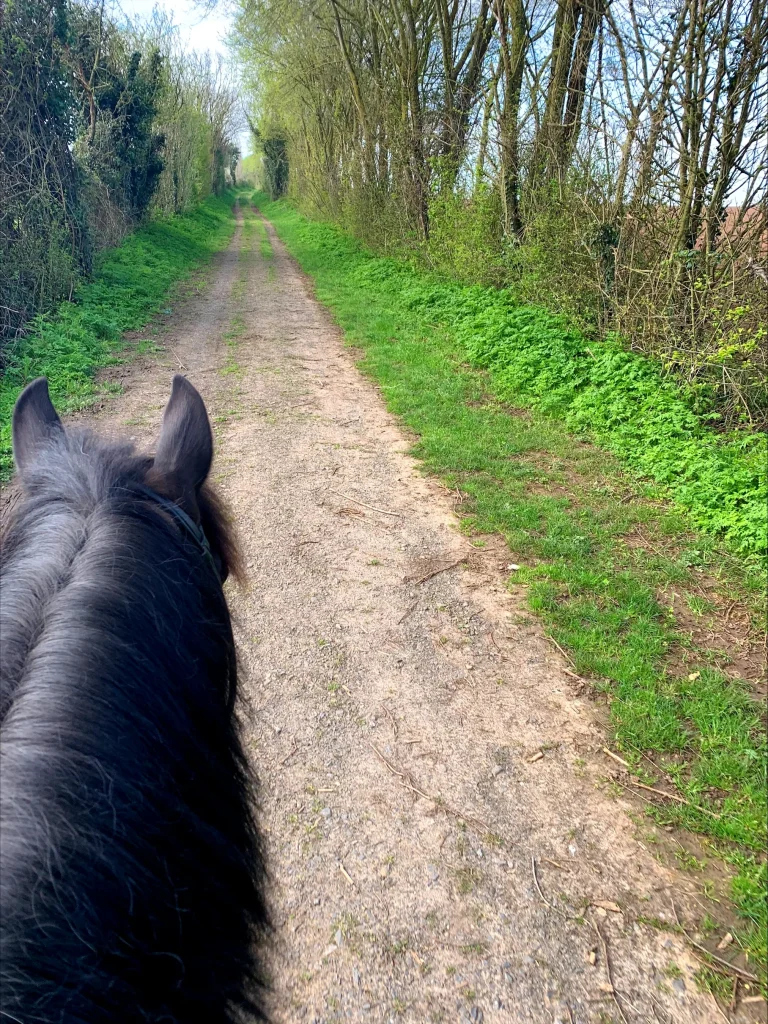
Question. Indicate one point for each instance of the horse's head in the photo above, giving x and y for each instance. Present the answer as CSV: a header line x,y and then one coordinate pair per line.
x,y
174,479
132,878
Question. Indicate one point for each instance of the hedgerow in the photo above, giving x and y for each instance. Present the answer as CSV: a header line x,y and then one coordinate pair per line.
x,y
130,283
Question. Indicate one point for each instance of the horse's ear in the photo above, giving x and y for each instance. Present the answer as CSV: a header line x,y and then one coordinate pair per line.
x,y
35,423
185,449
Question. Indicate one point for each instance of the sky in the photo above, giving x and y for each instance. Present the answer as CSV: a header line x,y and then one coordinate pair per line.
x,y
199,30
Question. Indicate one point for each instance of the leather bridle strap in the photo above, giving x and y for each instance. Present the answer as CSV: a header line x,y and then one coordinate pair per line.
x,y
188,526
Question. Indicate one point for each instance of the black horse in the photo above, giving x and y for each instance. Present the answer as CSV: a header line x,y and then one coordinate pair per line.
x,y
130,871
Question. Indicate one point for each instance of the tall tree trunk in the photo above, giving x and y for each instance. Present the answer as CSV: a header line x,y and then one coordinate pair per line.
x,y
513,46
547,144
488,104
592,14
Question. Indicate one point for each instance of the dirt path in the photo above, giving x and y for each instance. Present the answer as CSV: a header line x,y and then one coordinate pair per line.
x,y
439,845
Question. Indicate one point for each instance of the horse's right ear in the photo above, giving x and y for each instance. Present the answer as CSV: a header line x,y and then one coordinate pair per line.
x,y
35,423
185,448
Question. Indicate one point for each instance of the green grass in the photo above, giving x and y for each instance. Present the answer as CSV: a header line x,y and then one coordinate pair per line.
x,y
130,284
237,326
601,552
265,246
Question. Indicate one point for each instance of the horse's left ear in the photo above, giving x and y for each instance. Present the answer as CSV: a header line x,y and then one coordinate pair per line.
x,y
35,423
185,449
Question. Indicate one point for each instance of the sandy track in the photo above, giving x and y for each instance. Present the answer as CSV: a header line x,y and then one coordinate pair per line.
x,y
427,863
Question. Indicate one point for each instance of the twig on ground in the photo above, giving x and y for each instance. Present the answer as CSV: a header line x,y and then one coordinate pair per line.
x,y
720,1010
616,757
567,657
291,752
407,612
390,716
548,860
661,771
726,969
651,803
655,1007
609,971
650,543
176,355
347,875
408,783
731,969
551,906
544,900
673,796
434,572
710,966
419,963
373,508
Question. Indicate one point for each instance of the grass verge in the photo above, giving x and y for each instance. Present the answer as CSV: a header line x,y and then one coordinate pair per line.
x,y
129,285
622,581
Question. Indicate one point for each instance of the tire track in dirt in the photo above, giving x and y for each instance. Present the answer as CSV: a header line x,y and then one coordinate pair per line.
x,y
437,838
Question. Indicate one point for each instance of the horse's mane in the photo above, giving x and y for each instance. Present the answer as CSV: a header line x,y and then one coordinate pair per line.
x,y
130,872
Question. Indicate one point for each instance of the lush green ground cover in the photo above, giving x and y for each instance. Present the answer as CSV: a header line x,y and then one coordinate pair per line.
x,y
620,576
130,283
